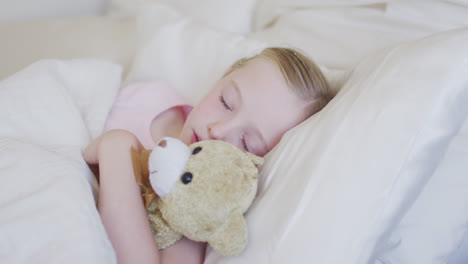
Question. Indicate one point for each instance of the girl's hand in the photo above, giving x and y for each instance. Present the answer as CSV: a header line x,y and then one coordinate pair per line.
x,y
113,140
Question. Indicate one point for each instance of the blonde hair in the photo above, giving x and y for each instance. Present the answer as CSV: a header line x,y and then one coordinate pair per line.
x,y
301,74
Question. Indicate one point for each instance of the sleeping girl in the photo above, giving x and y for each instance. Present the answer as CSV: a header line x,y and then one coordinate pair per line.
x,y
256,101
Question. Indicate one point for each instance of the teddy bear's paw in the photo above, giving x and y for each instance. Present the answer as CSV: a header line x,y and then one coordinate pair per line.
x,y
162,233
231,238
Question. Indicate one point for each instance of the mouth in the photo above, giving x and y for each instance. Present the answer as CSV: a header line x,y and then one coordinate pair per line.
x,y
194,138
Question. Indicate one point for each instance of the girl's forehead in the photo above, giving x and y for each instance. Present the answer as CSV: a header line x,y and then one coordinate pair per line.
x,y
259,75
259,66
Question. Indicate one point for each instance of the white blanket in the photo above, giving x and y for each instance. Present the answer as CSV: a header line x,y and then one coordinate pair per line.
x,y
48,113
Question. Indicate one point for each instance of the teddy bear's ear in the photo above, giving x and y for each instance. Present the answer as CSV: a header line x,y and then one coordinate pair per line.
x,y
257,161
230,238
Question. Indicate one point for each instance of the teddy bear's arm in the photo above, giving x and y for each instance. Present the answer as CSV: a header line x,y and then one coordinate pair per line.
x,y
162,233
256,160
231,238
140,168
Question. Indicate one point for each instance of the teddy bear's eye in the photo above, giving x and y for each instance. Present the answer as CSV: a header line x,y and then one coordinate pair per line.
x,y
186,178
196,150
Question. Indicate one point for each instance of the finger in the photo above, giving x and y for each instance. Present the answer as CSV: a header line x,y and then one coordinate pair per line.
x,y
90,152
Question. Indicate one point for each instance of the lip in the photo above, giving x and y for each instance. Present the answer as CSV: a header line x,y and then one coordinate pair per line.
x,y
194,138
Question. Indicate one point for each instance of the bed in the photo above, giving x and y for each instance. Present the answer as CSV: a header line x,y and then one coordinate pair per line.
x,y
378,176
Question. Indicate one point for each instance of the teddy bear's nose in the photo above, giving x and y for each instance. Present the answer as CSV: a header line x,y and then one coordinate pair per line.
x,y
162,143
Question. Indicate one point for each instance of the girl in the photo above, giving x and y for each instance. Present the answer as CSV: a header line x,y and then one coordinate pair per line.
x,y
252,106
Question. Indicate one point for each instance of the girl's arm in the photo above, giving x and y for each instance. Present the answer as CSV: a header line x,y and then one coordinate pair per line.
x,y
121,206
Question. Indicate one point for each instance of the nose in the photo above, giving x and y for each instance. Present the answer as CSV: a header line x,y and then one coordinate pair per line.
x,y
216,131
221,130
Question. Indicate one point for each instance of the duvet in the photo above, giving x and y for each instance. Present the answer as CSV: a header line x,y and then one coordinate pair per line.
x,y
48,112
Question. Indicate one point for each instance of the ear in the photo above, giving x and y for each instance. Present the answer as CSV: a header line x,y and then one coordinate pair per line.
x,y
257,161
231,237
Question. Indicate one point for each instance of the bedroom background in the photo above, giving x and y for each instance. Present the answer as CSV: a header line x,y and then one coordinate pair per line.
x,y
379,176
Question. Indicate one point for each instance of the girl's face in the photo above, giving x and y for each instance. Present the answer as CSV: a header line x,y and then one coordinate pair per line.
x,y
251,108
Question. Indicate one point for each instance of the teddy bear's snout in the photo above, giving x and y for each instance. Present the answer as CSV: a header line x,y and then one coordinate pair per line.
x,y
162,143
166,163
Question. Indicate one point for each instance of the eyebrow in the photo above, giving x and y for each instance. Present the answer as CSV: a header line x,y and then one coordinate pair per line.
x,y
236,88
260,135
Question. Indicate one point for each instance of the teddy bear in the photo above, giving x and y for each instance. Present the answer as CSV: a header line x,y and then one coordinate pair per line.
x,y
199,191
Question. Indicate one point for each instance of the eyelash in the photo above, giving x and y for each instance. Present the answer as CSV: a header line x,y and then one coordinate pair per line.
x,y
244,143
221,99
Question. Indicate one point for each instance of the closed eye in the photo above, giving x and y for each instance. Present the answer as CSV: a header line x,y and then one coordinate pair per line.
x,y
244,144
221,99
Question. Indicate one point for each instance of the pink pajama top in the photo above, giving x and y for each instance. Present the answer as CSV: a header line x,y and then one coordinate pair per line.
x,y
138,104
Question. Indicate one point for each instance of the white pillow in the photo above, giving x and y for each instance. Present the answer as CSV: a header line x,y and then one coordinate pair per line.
x,y
268,11
436,224
48,113
461,254
191,56
341,180
233,16
341,36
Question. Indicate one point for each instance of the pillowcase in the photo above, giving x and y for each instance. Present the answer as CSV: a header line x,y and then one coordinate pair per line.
x,y
339,182
436,225
268,11
187,54
340,36
461,254
227,15
191,56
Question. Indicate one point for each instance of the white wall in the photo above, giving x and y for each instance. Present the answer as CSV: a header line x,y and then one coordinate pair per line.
x,y
34,9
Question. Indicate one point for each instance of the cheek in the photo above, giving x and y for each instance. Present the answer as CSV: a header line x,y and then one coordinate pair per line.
x,y
204,112
192,122
200,113
209,106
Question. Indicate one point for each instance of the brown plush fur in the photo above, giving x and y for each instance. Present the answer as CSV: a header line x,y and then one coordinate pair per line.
x,y
210,208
